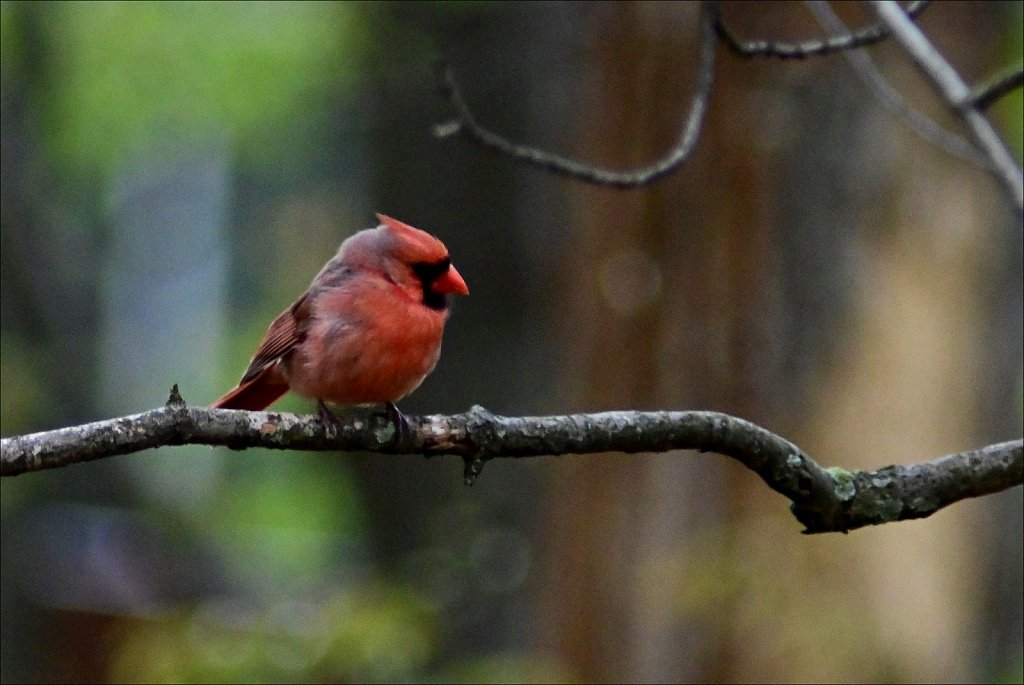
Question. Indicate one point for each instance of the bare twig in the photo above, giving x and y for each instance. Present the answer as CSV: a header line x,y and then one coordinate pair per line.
x,y
984,95
466,124
823,500
891,98
844,40
954,93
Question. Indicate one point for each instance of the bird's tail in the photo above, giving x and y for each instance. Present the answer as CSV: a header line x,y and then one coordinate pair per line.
x,y
256,393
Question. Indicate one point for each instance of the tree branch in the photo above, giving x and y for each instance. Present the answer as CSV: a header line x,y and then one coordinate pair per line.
x,y
987,93
823,500
891,98
993,153
843,40
954,92
466,124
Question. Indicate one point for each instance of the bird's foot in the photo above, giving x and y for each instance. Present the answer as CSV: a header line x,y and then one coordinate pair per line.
x,y
328,418
402,429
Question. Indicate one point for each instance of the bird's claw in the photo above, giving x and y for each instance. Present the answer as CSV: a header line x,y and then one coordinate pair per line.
x,y
402,430
328,418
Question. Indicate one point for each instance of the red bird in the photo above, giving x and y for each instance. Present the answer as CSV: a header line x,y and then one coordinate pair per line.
x,y
367,330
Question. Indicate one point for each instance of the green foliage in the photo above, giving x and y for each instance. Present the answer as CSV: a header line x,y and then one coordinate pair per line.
x,y
373,632
285,520
298,604
1011,110
128,75
506,668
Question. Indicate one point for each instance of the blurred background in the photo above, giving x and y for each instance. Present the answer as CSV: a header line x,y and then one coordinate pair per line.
x,y
175,174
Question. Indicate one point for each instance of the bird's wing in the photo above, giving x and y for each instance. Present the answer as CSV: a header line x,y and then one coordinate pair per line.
x,y
286,331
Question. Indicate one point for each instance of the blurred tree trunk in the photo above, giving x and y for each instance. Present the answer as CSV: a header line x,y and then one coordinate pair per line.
x,y
657,313
730,286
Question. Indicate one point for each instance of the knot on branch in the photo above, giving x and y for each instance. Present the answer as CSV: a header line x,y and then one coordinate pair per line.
x,y
484,437
474,465
175,401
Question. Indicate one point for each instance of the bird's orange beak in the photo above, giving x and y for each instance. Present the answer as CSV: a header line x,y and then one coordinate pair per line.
x,y
450,282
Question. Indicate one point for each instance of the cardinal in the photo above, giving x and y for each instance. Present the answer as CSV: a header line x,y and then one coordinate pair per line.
x,y
366,331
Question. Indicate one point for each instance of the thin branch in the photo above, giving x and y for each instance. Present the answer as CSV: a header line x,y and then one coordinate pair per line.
x,y
955,93
466,124
845,40
823,500
891,98
987,93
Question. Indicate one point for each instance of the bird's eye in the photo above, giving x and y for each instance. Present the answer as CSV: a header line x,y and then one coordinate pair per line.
x,y
428,272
